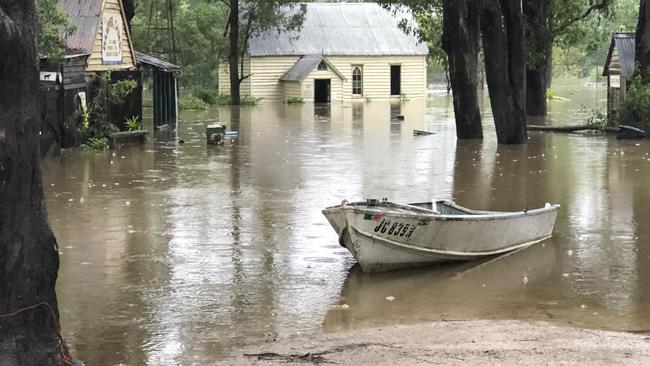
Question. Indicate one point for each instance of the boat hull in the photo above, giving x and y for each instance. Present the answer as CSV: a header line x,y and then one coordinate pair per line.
x,y
391,237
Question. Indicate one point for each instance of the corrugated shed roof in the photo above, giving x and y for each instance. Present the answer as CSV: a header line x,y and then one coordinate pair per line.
x,y
86,15
339,29
625,46
155,62
305,65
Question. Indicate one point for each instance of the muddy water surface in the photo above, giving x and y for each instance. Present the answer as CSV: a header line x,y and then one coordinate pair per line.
x,y
180,253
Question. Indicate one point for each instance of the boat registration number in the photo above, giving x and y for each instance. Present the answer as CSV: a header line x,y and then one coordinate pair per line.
x,y
395,228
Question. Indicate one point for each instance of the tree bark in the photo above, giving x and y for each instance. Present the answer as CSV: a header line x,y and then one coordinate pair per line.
x,y
505,65
233,57
642,41
460,40
29,259
539,38
129,10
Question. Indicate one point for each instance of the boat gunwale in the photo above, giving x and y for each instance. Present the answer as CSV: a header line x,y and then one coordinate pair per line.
x,y
424,214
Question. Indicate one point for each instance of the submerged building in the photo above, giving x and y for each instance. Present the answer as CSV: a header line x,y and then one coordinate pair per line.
x,y
342,52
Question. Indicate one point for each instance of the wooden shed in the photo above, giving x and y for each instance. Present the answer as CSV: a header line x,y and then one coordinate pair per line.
x,y
165,88
342,52
100,43
619,69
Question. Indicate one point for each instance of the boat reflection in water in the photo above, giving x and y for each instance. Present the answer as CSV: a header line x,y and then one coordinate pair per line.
x,y
491,288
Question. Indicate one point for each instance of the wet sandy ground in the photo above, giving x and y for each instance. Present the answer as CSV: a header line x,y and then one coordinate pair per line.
x,y
456,343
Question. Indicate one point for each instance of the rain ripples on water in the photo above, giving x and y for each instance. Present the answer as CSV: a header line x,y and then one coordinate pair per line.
x,y
179,253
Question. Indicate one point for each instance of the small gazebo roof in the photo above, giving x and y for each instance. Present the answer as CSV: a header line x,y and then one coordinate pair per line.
x,y
625,48
155,63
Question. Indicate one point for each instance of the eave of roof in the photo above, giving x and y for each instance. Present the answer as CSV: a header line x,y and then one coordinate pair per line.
x,y
305,65
155,63
626,47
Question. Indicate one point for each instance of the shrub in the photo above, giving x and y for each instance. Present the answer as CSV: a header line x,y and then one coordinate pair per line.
x,y
191,103
295,100
597,119
134,123
97,143
224,99
635,109
207,95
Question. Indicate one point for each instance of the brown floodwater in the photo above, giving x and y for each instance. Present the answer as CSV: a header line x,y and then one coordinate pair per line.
x,y
180,253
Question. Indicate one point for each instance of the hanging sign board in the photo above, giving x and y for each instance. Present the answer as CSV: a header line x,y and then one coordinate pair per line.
x,y
111,38
614,81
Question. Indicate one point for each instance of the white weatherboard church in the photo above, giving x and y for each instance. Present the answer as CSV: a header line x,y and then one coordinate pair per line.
x,y
341,53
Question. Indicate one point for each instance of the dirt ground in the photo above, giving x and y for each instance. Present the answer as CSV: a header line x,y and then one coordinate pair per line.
x,y
455,343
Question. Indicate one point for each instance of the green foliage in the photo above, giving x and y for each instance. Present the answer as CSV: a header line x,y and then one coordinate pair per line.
x,y
134,123
586,43
94,122
597,119
295,100
199,27
96,143
191,103
551,93
202,33
570,61
121,90
635,110
225,99
52,25
209,96
428,17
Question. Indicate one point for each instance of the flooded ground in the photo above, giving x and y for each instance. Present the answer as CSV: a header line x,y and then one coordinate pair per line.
x,y
180,253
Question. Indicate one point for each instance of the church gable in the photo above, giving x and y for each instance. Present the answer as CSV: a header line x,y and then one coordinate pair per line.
x,y
111,48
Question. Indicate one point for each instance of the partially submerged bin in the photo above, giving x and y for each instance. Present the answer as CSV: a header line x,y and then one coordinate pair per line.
x,y
215,134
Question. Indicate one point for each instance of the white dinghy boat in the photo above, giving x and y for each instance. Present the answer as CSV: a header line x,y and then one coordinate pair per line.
x,y
383,235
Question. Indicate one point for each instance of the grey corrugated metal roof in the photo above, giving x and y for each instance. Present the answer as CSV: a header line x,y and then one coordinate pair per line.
x,y
305,65
302,68
339,29
155,63
85,15
624,44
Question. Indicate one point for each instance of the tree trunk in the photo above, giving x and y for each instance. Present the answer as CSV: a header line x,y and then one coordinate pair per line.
x,y
233,57
642,41
539,38
29,258
461,43
505,65
129,10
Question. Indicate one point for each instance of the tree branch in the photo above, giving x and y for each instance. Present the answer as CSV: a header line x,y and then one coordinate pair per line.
x,y
600,5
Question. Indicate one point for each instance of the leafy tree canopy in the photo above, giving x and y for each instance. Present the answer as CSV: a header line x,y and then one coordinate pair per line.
x,y
53,26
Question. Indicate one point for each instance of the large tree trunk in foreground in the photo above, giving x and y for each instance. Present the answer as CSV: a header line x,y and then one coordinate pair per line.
x,y
461,43
233,57
29,258
643,41
505,65
539,39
